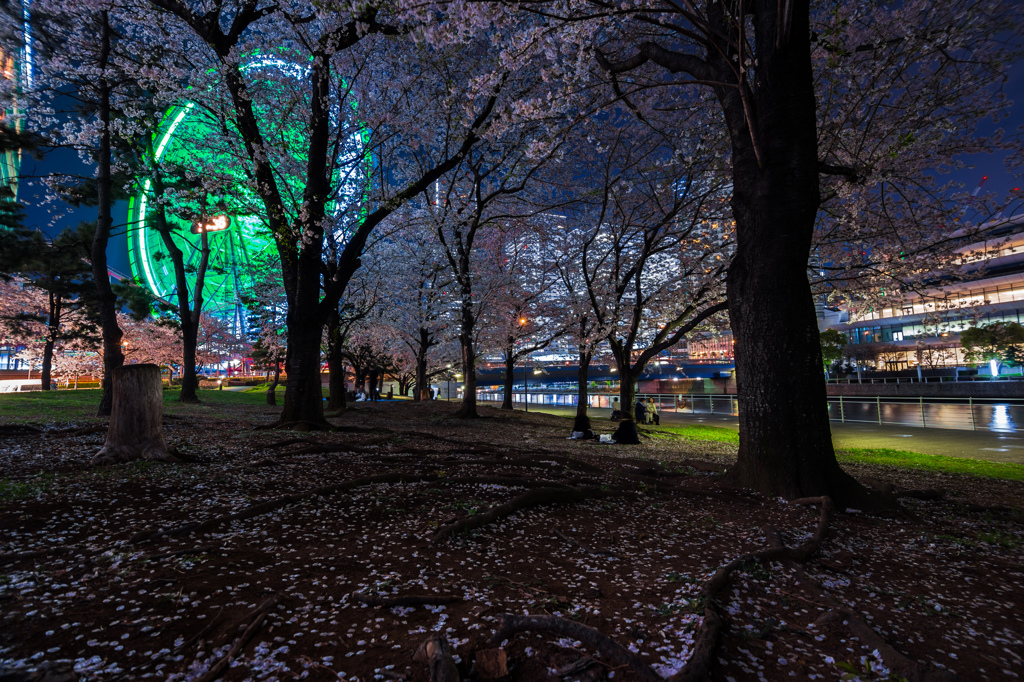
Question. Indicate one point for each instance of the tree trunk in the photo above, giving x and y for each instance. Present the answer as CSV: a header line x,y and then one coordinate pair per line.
x,y
136,419
468,408
422,380
189,378
47,364
626,434
272,388
335,364
510,365
785,444
582,422
113,358
303,397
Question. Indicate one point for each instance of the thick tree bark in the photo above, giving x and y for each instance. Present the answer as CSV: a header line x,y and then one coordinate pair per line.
x,y
303,398
47,364
785,442
272,388
335,364
106,299
468,408
582,422
136,420
510,365
626,433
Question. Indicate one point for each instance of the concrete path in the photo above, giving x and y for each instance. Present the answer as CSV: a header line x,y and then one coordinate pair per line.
x,y
984,445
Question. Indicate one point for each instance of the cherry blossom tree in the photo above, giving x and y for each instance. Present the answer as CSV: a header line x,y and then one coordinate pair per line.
x,y
831,110
74,44
335,57
655,244
420,300
526,307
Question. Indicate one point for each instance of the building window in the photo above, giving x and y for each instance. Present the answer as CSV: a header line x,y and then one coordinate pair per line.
x,y
908,310
897,336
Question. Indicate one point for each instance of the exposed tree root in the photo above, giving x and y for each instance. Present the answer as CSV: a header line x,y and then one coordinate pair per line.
x,y
298,426
218,668
531,498
608,648
436,653
698,666
585,548
289,441
20,430
272,505
14,557
407,600
512,481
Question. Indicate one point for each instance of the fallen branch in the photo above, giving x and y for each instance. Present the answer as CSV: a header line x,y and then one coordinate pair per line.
x,y
436,653
532,498
261,615
608,648
406,600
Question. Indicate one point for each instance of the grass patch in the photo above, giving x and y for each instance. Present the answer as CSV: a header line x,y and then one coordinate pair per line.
x,y
700,432
23,490
905,459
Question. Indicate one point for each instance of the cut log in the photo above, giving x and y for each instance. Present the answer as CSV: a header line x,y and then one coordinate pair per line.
x,y
436,653
136,425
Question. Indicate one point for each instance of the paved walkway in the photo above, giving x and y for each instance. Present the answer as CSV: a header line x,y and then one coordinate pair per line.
x,y
985,445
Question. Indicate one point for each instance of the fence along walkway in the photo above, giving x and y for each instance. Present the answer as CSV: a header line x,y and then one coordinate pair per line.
x,y
1005,415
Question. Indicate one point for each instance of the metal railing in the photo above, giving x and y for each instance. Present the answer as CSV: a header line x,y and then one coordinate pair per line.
x,y
926,380
1005,415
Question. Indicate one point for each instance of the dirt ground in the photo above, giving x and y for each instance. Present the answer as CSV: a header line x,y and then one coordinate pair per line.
x,y
330,556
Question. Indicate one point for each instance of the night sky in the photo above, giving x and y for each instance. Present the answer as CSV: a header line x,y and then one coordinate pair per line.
x,y
54,217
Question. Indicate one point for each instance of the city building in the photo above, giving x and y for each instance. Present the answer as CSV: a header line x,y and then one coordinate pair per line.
x,y
923,329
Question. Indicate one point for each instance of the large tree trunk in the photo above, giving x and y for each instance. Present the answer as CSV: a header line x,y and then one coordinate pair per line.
x,y
47,364
335,364
422,380
582,422
510,364
136,419
468,408
303,397
272,388
785,444
627,433
106,299
189,378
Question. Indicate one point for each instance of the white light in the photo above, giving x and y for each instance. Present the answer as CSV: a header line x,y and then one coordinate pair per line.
x,y
993,367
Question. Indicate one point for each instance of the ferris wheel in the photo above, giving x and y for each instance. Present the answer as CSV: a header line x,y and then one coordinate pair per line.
x,y
239,238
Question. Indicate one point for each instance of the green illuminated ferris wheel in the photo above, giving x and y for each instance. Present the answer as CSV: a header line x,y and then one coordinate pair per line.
x,y
239,239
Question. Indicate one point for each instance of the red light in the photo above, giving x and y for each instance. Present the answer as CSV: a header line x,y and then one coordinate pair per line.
x,y
984,178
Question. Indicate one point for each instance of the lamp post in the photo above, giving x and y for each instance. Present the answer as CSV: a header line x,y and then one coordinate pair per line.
x,y
526,387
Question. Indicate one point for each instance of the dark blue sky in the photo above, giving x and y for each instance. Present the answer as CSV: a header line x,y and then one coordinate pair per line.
x,y
52,218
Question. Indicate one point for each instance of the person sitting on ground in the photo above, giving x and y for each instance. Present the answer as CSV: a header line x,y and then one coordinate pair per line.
x,y
652,412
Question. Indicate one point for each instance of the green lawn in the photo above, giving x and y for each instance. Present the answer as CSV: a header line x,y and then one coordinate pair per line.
x,y
71,405
701,432
905,459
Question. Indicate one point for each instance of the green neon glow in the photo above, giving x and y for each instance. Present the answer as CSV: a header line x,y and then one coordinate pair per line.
x,y
234,252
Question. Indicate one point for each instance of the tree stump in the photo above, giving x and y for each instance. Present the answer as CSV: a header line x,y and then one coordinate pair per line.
x,y
136,417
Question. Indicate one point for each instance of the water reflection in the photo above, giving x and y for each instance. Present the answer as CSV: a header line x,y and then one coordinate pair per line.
x,y
1001,420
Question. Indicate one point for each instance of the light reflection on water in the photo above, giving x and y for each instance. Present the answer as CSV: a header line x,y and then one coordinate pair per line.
x,y
1001,420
